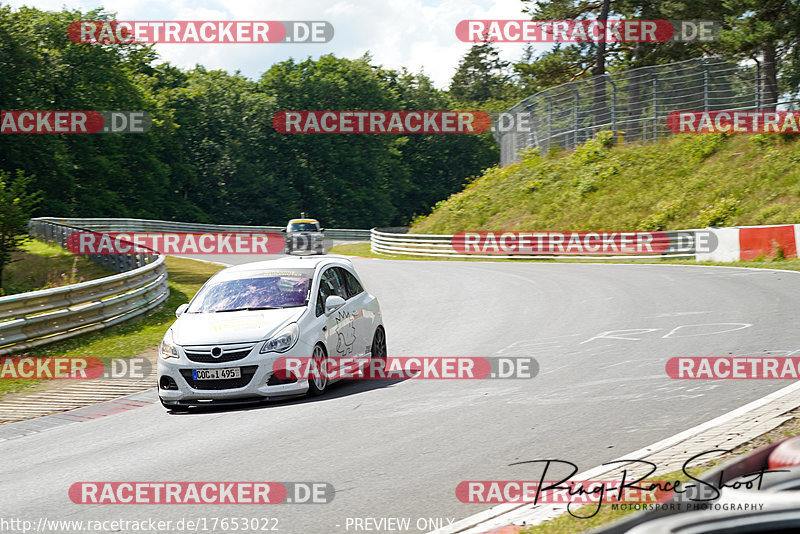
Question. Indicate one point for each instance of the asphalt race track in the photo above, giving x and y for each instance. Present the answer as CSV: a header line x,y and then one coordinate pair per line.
x,y
399,448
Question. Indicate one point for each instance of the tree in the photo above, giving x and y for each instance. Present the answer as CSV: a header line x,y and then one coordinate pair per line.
x,y
594,54
438,165
342,180
767,31
481,75
573,61
16,206
212,154
599,71
558,65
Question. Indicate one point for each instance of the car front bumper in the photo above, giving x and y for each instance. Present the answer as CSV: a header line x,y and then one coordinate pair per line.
x,y
256,371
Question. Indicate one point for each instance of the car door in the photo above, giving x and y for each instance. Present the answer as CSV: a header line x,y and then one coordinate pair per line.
x,y
340,333
357,302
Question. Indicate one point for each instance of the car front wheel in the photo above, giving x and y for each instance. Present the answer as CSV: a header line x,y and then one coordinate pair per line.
x,y
318,383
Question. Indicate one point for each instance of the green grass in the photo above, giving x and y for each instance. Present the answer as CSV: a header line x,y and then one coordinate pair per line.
x,y
132,337
684,181
39,265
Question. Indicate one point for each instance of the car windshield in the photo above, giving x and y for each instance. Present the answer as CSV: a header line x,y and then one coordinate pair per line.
x,y
251,290
303,227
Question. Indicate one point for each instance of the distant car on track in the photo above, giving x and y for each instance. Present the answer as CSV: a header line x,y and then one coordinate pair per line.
x,y
304,235
223,346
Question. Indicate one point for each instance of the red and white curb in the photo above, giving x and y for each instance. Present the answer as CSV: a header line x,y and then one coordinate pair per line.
x,y
78,415
28,405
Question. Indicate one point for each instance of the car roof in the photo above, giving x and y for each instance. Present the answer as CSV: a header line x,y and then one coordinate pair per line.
x,y
303,221
293,262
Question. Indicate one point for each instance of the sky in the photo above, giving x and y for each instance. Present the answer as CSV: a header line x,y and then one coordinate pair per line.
x,y
416,34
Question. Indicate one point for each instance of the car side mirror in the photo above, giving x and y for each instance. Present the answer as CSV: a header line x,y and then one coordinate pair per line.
x,y
322,229
181,309
333,303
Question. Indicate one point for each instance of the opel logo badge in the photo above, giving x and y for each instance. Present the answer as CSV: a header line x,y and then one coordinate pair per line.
x,y
216,352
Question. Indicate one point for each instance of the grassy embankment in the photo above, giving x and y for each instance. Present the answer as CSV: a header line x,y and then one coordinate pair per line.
x,y
41,266
677,183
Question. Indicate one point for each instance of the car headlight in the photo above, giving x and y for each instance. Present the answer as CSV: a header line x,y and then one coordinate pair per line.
x,y
283,340
168,349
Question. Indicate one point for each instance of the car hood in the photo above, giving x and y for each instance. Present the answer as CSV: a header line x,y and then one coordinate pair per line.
x,y
231,327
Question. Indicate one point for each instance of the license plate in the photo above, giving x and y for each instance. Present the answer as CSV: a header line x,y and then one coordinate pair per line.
x,y
216,374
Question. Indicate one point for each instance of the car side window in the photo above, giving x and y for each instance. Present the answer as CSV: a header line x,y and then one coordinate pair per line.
x,y
351,283
329,284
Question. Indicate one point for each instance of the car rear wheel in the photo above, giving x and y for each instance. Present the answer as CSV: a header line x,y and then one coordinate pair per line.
x,y
378,350
318,383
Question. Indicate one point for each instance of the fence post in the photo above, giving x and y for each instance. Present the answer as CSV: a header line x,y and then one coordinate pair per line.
x,y
576,112
613,106
706,81
758,85
549,119
655,104
527,106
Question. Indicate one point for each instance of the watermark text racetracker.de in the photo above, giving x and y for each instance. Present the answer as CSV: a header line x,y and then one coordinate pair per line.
x,y
175,243
586,31
743,122
199,31
74,122
72,368
206,493
381,122
558,492
578,243
734,368
195,524
400,368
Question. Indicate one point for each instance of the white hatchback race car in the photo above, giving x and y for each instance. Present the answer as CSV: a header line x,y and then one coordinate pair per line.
x,y
223,346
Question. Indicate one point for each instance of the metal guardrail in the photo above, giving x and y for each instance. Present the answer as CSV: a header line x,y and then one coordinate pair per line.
x,y
154,225
57,233
399,241
36,318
